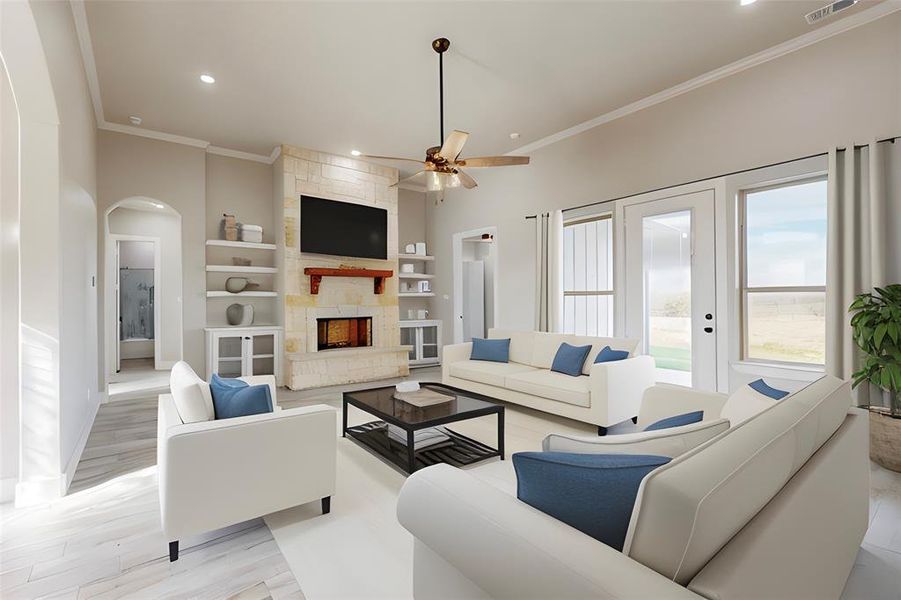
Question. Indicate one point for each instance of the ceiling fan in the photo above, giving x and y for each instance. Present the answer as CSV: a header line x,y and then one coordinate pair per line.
x,y
442,167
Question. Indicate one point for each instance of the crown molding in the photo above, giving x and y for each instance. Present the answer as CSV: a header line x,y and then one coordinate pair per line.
x,y
87,57
154,135
239,154
842,25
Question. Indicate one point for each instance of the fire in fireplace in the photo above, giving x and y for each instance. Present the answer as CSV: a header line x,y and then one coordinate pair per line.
x,y
344,333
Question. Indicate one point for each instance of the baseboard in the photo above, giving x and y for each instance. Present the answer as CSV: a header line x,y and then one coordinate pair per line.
x,y
8,489
72,465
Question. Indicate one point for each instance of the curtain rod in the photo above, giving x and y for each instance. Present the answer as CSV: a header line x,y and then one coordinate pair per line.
x,y
775,164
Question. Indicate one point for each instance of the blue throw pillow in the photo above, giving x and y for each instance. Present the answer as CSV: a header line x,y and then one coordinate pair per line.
x,y
594,493
608,354
677,421
761,387
235,398
569,359
493,350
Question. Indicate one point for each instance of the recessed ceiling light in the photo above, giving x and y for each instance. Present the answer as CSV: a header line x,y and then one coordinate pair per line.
x,y
747,2
134,120
514,136
158,205
355,153
207,78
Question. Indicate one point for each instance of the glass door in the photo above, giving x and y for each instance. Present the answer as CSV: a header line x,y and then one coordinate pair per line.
x,y
230,355
429,338
262,354
671,287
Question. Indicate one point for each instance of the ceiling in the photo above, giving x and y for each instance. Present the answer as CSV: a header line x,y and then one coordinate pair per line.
x,y
337,76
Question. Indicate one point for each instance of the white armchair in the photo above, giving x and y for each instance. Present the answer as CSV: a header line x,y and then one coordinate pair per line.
x,y
217,473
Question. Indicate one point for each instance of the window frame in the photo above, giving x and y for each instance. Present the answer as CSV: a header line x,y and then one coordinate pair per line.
x,y
595,293
744,290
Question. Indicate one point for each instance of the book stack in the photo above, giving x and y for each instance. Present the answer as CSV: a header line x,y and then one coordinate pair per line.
x,y
229,228
432,437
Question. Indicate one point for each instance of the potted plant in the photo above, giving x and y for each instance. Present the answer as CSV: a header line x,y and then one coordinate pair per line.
x,y
876,327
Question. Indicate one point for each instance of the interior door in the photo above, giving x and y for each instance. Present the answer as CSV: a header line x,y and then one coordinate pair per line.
x,y
473,300
671,286
118,311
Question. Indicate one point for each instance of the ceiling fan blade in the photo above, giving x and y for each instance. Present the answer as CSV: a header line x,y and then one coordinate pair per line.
x,y
467,181
414,182
375,157
493,161
453,145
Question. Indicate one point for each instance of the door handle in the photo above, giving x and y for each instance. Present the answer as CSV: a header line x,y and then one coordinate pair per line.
x,y
708,330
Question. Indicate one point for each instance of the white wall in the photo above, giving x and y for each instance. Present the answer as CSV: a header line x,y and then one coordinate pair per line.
x,y
843,89
174,174
9,290
134,254
167,227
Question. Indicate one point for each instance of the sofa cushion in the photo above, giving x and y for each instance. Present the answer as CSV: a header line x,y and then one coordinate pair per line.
x,y
496,350
570,359
489,373
555,386
594,493
608,354
191,394
235,398
677,420
748,400
689,509
546,345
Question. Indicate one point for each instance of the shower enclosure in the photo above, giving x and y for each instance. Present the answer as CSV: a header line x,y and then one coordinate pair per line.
x,y
136,297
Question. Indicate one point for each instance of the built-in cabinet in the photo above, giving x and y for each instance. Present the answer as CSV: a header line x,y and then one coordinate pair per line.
x,y
424,339
243,351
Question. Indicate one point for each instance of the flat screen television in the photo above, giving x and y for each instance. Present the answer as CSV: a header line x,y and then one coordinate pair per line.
x,y
342,228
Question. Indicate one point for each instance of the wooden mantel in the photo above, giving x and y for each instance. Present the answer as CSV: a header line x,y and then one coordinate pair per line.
x,y
316,274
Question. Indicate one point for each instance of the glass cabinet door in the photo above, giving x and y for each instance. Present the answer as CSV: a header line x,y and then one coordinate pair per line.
x,y
229,356
429,341
408,338
263,357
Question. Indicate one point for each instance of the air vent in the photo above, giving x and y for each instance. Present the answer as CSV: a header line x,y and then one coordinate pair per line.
x,y
828,10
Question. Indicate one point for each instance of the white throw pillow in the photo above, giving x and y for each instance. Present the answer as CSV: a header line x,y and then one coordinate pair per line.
x,y
744,403
191,394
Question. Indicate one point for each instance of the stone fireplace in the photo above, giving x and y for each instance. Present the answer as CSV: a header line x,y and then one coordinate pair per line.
x,y
334,333
345,332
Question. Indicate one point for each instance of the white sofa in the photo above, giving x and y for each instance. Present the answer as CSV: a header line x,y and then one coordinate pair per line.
x,y
217,473
775,507
607,394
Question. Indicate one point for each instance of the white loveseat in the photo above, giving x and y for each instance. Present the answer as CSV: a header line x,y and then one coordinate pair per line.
x,y
606,394
775,507
218,473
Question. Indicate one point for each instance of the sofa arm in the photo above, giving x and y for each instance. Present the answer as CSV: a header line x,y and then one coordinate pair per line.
x,y
454,353
665,400
216,473
664,442
507,549
617,388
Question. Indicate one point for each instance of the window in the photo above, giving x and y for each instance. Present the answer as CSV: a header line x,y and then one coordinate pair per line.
x,y
784,273
588,276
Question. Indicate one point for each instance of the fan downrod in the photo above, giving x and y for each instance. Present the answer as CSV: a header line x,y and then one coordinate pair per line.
x,y
441,45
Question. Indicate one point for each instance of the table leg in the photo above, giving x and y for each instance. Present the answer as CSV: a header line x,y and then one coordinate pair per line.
x,y
500,432
411,458
344,420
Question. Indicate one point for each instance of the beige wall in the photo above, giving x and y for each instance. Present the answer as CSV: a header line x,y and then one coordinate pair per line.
x,y
411,218
844,89
173,174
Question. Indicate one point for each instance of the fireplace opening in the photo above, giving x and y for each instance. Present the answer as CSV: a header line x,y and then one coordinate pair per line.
x,y
334,333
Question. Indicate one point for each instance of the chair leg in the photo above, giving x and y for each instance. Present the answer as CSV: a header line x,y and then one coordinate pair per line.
x,y
602,430
326,505
635,419
173,551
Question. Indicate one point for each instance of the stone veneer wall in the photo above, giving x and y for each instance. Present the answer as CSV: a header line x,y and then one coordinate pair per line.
x,y
308,172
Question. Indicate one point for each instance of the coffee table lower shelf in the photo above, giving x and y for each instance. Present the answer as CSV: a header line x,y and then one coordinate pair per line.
x,y
461,452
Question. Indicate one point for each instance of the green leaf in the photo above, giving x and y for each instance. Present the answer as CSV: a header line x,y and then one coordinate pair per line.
x,y
892,329
879,334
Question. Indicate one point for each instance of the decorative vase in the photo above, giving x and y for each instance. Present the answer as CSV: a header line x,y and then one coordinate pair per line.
x,y
239,315
235,284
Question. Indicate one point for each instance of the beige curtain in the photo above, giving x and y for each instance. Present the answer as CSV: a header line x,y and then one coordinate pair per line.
x,y
856,248
549,272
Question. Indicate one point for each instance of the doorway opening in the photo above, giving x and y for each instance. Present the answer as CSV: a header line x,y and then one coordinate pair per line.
x,y
137,310
475,283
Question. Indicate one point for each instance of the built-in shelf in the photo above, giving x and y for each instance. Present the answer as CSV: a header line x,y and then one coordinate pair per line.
x,y
239,269
415,276
416,294
414,257
245,245
249,294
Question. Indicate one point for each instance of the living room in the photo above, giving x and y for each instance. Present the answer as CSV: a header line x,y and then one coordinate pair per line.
x,y
476,299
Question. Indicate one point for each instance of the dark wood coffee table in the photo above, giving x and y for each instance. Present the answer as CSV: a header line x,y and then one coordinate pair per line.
x,y
458,451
